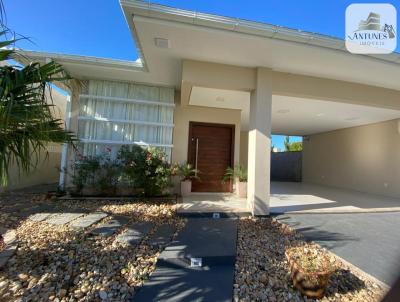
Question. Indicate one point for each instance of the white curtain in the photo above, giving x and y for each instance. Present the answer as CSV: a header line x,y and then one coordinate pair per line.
x,y
98,115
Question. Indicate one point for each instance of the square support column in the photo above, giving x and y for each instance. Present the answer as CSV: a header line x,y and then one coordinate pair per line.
x,y
259,153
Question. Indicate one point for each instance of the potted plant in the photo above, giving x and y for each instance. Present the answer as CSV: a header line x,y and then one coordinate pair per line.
x,y
239,175
310,269
187,173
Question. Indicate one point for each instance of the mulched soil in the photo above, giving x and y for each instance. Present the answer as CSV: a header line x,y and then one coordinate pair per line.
x,y
262,271
57,263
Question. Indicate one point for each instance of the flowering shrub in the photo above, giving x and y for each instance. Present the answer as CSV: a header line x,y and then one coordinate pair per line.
x,y
146,168
142,168
85,171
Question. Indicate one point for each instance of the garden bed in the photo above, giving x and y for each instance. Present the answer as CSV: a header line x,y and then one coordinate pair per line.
x,y
57,263
262,272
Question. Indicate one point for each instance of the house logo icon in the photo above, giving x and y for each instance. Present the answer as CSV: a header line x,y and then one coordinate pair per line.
x,y
371,28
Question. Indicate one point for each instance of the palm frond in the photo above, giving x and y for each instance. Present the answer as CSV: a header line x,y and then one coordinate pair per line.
x,y
27,122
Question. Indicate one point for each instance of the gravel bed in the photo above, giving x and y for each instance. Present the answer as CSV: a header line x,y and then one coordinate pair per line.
x,y
58,263
262,272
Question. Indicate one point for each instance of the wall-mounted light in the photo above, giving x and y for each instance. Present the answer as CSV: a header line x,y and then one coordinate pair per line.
x,y
162,43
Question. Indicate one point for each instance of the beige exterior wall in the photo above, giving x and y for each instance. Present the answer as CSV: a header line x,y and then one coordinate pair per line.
x,y
212,75
244,148
364,158
48,169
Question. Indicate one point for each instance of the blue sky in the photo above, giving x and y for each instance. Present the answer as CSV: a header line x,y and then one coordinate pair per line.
x,y
98,27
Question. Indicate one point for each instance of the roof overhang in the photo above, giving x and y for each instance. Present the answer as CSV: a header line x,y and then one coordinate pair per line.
x,y
210,38
86,67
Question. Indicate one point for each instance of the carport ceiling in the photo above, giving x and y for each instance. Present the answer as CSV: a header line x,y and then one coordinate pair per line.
x,y
293,115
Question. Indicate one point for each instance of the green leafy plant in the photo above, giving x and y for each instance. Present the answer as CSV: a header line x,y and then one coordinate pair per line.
x,y
85,171
157,174
132,164
186,171
27,121
295,146
146,168
238,172
110,171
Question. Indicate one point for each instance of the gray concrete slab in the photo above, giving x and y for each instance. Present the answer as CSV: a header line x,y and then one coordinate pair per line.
x,y
369,241
213,240
162,236
87,220
298,196
135,233
63,218
38,217
110,227
6,254
171,282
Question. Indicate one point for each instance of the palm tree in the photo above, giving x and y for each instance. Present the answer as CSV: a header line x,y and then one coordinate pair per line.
x,y
26,113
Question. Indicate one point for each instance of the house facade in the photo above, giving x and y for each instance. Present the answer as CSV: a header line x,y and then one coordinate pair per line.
x,y
212,90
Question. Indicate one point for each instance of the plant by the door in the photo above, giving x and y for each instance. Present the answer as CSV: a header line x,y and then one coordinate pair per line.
x,y
239,175
187,173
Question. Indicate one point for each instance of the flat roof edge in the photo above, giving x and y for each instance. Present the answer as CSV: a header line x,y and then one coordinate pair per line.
x,y
111,63
162,12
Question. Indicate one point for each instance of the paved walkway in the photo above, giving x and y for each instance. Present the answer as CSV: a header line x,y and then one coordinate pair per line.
x,y
209,242
368,241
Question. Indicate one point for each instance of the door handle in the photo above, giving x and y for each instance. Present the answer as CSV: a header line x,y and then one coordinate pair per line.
x,y
197,155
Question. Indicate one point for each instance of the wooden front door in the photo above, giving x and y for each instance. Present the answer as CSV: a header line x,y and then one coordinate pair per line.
x,y
211,150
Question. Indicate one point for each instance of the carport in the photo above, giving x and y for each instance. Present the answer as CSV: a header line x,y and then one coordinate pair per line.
x,y
350,161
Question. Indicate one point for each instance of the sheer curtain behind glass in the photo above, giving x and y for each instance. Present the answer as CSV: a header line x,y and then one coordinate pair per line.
x,y
106,124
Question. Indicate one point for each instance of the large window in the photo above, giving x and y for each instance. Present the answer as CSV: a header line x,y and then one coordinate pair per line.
x,y
113,114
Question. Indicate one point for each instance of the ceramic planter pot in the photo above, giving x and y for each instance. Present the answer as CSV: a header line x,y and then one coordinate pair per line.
x,y
313,285
186,187
241,189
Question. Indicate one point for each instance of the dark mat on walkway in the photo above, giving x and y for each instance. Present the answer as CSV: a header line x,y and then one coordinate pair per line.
x,y
172,282
207,238
212,240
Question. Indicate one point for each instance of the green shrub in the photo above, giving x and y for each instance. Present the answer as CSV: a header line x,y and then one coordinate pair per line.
x,y
146,168
237,172
185,171
85,172
143,168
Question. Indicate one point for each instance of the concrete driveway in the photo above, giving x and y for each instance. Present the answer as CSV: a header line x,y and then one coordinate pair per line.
x,y
305,197
370,241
